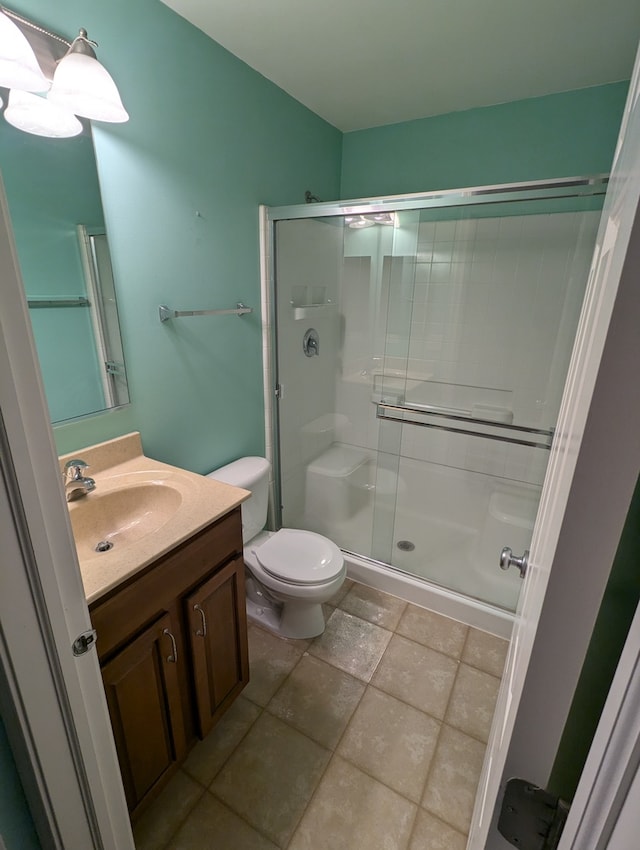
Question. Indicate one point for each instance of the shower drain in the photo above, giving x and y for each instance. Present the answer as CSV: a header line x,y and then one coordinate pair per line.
x,y
104,546
406,545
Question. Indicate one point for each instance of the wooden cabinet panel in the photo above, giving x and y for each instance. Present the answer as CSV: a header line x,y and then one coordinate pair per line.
x,y
158,702
143,695
216,617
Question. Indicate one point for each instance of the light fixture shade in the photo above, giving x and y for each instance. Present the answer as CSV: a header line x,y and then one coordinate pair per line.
x,y
18,64
360,222
37,115
82,85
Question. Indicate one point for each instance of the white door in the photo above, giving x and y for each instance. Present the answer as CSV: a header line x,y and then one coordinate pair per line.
x,y
51,701
592,471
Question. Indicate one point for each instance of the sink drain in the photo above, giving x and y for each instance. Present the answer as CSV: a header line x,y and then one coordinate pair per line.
x,y
406,545
104,546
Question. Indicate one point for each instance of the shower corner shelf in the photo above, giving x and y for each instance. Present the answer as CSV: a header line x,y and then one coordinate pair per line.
x,y
313,311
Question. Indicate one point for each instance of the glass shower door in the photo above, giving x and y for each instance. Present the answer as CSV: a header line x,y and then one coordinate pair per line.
x,y
466,431
414,430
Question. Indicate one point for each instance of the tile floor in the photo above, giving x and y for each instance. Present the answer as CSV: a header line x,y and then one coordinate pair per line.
x,y
370,736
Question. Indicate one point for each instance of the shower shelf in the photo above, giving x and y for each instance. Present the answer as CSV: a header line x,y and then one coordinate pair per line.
x,y
458,424
312,311
58,302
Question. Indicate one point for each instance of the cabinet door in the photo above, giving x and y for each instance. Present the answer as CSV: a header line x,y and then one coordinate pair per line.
x,y
143,695
217,621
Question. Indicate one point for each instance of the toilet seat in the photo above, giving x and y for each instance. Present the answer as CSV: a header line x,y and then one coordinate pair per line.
x,y
299,557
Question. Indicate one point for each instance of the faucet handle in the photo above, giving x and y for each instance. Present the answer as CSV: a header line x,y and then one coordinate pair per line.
x,y
74,468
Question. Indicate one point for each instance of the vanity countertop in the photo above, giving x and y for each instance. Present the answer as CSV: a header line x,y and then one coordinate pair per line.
x,y
142,506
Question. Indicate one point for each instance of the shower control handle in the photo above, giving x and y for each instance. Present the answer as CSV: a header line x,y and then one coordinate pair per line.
x,y
311,343
508,559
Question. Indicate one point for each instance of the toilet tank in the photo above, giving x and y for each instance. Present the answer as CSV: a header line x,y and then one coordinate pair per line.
x,y
250,473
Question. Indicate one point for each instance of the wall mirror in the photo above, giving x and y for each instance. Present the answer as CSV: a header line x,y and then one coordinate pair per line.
x,y
56,212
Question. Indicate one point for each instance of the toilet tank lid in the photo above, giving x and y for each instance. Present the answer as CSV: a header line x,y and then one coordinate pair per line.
x,y
243,472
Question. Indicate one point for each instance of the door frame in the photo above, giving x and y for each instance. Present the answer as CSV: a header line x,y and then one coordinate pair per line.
x,y
604,811
52,702
600,420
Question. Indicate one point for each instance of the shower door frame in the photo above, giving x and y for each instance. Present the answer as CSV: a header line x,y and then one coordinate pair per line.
x,y
556,189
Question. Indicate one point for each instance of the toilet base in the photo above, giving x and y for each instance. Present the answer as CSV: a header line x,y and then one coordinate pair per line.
x,y
300,620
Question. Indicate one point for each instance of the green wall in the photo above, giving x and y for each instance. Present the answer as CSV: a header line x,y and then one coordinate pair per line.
x,y
209,140
617,610
560,135
16,825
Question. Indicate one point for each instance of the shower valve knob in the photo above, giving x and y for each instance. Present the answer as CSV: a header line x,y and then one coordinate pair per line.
x,y
508,559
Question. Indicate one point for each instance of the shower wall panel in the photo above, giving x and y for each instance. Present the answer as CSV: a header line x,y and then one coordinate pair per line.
x,y
308,266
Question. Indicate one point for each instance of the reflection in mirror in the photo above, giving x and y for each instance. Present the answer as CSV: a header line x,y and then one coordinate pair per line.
x,y
56,211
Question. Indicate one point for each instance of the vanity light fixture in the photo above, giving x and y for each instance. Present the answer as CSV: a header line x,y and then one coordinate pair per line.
x,y
84,86
30,57
34,114
19,68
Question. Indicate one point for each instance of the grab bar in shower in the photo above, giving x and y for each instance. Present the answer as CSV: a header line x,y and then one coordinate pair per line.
x,y
167,313
545,436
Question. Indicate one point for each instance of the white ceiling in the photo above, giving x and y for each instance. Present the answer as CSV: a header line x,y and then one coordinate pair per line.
x,y
364,63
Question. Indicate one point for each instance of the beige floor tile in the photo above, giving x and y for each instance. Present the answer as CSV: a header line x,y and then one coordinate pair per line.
x,y
271,659
158,823
208,756
473,701
211,824
485,651
318,700
453,781
270,777
351,644
419,675
391,741
429,833
433,630
374,606
351,811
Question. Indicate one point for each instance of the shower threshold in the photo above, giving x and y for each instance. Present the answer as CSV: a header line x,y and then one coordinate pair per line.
x,y
421,592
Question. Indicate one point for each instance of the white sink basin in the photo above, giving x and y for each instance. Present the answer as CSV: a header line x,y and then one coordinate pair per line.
x,y
112,520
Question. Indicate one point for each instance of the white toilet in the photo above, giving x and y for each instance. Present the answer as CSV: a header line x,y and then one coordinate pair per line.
x,y
292,572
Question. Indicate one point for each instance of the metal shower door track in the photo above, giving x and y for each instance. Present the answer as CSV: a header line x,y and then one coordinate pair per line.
x,y
569,187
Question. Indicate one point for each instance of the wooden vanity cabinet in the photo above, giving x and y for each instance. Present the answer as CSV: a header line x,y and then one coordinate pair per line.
x,y
217,638
143,695
172,644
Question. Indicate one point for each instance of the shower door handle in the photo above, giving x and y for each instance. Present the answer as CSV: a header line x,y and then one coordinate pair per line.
x,y
508,559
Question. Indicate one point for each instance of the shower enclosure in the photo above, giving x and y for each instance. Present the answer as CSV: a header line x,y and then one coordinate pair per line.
x,y
417,350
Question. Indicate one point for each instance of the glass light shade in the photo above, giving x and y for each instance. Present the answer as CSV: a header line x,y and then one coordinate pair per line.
x,y
381,218
19,67
361,222
82,85
37,115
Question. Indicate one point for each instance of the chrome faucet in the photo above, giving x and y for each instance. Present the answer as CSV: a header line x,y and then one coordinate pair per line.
x,y
76,484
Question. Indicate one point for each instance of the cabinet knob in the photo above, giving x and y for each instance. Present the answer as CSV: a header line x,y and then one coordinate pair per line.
x,y
173,658
203,631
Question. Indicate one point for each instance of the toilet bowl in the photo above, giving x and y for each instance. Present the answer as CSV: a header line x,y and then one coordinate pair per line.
x,y
291,572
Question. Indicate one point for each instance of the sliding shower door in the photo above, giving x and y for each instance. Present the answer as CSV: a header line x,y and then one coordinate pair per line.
x,y
415,430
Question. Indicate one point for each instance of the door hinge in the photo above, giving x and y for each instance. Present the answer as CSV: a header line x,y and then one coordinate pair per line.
x,y
530,817
278,391
84,642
